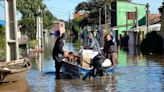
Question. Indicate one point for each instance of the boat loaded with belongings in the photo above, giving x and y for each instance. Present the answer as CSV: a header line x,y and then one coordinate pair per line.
x,y
89,64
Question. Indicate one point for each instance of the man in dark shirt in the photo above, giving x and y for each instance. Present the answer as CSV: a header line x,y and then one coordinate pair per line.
x,y
58,53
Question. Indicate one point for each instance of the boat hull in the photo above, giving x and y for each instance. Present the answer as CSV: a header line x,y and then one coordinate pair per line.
x,y
71,70
12,77
79,72
14,72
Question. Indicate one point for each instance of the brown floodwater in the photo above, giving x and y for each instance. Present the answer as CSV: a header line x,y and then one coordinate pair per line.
x,y
19,86
134,73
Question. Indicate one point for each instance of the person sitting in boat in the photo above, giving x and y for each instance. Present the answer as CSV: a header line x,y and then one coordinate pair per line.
x,y
58,53
93,43
109,49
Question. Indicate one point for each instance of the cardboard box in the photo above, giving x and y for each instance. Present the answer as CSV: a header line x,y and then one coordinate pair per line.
x,y
86,61
87,56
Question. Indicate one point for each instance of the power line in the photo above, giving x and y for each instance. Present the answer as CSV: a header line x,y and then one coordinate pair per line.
x,y
59,9
56,9
68,5
58,13
76,1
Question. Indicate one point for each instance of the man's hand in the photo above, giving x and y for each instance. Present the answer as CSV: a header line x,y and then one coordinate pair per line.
x,y
66,53
91,48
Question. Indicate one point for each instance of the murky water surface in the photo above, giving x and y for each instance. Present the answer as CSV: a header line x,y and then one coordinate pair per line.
x,y
134,73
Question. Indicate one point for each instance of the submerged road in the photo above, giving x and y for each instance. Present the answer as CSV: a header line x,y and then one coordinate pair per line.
x,y
134,73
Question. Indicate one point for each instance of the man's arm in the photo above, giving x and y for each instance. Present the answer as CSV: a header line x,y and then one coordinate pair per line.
x,y
92,44
60,45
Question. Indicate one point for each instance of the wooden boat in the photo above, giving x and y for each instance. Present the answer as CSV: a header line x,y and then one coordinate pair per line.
x,y
14,70
83,70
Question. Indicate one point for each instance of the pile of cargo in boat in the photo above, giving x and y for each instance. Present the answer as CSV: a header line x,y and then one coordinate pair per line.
x,y
86,65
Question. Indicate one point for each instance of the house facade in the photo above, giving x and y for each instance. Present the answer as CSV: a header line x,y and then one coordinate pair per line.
x,y
127,15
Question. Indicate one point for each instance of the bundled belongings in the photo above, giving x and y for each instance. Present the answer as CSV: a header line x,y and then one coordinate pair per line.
x,y
88,65
74,59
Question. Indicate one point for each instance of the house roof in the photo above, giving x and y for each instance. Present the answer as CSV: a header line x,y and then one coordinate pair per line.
x,y
154,18
153,27
79,14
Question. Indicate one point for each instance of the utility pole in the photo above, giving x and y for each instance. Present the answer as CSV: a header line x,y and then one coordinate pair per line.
x,y
137,40
39,37
109,18
69,24
100,35
105,13
127,21
136,17
12,45
147,16
100,17
106,25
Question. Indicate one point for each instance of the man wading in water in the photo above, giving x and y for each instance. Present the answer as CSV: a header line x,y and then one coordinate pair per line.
x,y
58,53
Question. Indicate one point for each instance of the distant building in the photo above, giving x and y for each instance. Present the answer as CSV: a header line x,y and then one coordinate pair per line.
x,y
127,15
154,18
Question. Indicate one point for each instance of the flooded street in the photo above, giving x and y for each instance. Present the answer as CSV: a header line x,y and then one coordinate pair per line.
x,y
27,28
134,73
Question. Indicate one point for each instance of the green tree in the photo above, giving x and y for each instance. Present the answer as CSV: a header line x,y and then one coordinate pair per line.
x,y
92,9
48,19
2,42
30,10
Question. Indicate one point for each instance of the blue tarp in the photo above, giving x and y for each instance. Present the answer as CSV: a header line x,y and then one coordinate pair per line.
x,y
2,23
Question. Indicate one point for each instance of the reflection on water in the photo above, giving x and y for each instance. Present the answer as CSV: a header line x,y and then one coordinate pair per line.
x,y
19,86
134,73
73,85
